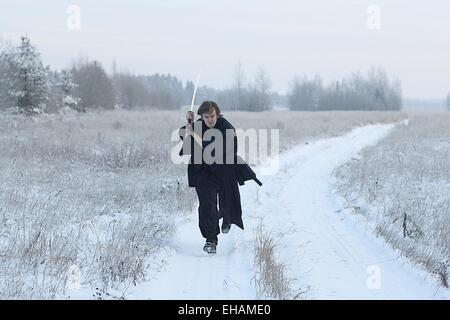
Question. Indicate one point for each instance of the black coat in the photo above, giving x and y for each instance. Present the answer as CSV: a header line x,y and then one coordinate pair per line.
x,y
229,174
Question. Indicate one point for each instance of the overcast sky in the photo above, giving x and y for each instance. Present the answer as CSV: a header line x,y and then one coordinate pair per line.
x,y
286,38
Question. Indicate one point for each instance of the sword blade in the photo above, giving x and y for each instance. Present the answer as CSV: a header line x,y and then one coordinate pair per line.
x,y
195,90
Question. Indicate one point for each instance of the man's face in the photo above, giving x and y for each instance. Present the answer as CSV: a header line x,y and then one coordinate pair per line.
x,y
210,118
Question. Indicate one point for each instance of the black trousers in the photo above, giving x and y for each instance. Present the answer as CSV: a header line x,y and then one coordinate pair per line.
x,y
208,189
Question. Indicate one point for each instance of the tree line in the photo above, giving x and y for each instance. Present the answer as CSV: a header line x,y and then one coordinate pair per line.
x,y
358,92
27,86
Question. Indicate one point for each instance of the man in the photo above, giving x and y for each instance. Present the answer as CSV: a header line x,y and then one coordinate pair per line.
x,y
218,178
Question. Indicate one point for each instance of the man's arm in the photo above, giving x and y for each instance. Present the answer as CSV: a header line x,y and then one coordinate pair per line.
x,y
197,138
186,134
187,143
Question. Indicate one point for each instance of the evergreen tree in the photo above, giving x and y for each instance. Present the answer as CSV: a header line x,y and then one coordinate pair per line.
x,y
62,87
25,78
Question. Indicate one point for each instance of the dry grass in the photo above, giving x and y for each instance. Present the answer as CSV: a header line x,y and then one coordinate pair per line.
x,y
75,191
271,275
270,278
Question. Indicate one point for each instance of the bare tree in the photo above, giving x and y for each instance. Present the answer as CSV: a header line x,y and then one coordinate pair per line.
x,y
304,94
94,88
259,93
131,91
374,92
166,91
448,101
238,86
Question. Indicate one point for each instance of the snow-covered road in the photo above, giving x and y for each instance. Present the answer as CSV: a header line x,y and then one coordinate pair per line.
x,y
329,252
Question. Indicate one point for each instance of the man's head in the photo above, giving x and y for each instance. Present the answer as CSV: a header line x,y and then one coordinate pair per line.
x,y
209,111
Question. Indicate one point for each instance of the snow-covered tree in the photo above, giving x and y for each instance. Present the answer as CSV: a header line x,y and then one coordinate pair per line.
x,y
4,97
67,86
25,78
62,87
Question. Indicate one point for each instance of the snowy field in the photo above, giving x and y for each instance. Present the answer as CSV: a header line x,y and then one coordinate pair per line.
x,y
401,187
329,254
96,195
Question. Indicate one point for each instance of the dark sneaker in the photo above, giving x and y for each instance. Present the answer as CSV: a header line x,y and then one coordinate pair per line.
x,y
226,227
210,247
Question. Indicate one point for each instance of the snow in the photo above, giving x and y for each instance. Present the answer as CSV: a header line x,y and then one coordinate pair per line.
x,y
330,253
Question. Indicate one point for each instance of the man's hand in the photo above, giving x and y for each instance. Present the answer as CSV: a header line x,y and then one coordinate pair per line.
x,y
190,116
189,129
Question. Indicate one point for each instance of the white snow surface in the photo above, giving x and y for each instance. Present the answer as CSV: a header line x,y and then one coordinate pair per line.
x,y
329,252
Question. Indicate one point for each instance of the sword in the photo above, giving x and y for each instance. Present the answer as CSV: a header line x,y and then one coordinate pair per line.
x,y
195,92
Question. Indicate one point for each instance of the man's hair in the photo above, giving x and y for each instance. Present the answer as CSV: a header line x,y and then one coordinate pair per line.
x,y
207,107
